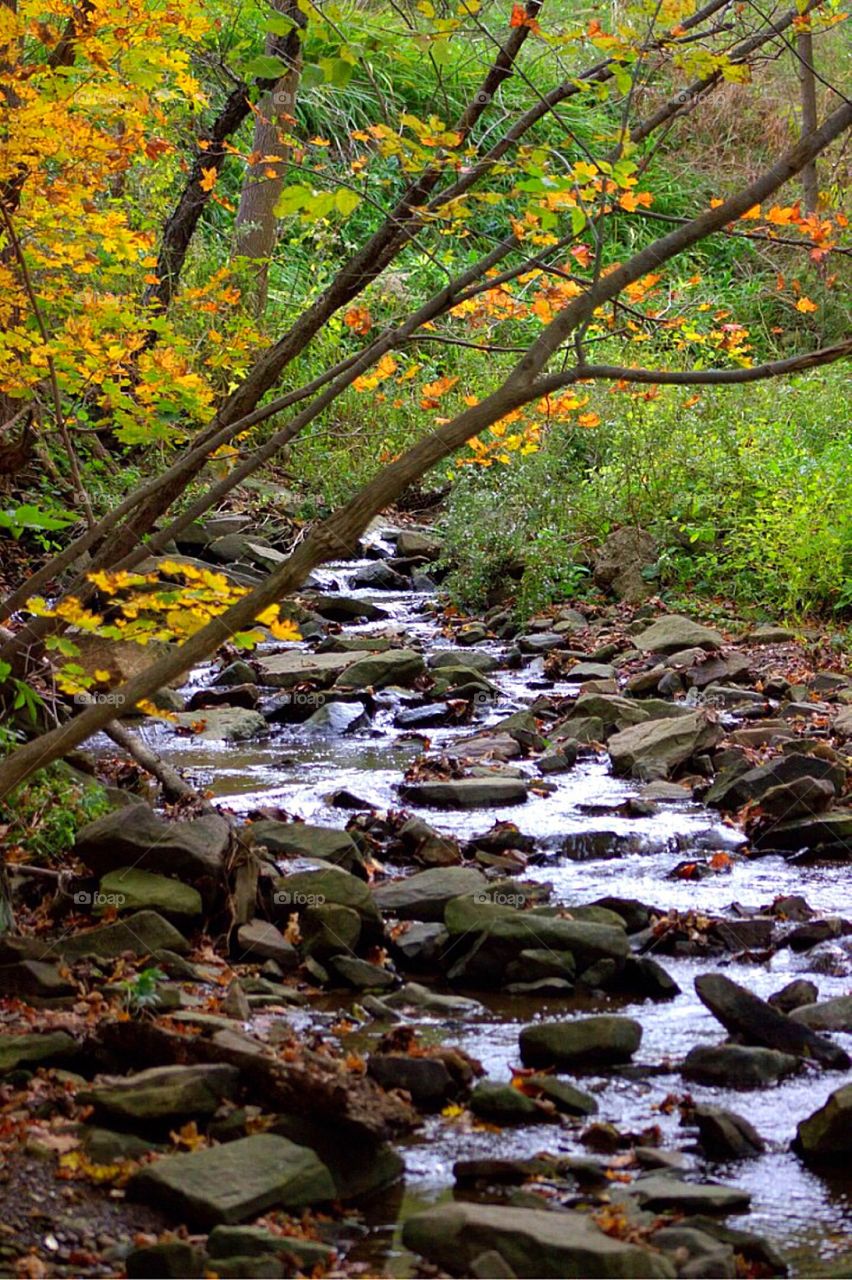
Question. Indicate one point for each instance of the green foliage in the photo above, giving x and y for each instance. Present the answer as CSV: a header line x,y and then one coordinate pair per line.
x,y
747,493
44,815
141,993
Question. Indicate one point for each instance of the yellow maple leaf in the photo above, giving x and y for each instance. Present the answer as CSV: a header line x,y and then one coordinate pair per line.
x,y
208,179
805,305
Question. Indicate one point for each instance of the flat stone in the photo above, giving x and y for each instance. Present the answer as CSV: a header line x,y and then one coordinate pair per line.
x,y
131,889
361,974
424,896
224,724
673,632
581,1042
336,718
238,1180
828,832
658,1193
531,1242
256,1242
696,1253
35,1050
466,793
143,933
503,1104
292,667
163,1092
34,980
137,837
303,840
473,659
568,1099
737,1066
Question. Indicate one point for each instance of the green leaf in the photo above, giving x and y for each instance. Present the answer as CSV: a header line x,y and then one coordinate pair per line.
x,y
578,221
346,201
265,67
337,71
279,25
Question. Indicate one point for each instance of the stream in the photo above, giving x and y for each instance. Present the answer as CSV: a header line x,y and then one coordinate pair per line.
x,y
807,1215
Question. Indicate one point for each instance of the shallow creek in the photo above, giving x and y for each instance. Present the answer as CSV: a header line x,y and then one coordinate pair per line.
x,y
808,1216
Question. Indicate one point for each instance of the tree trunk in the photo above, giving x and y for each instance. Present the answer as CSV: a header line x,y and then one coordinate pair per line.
x,y
256,224
807,84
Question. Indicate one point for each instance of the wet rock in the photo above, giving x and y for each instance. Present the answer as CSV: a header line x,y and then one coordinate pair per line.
x,y
425,895
235,1003
428,716
751,934
136,837
163,1093
737,1066
829,835
329,929
472,659
562,760
636,915
240,695
814,932
659,1193
427,1080
715,669
292,667
237,1180
654,749
503,1104
362,975
644,977
420,997
36,1050
827,1133
613,711
428,846
419,542
494,746
566,1097
256,1242
259,939
306,889
461,681
379,576
419,946
673,632
536,963
106,1146
143,933
696,1254
726,1136
303,840
167,1260
753,1248
796,993
466,793
130,889
746,1015
342,608
541,642
622,563
337,718
827,1015
223,724
733,791
582,1042
377,670
236,673
532,1242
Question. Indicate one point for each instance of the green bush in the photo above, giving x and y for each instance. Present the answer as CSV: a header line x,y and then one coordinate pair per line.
x,y
748,493
42,817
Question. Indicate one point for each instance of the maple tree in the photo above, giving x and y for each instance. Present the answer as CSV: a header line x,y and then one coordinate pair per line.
x,y
544,241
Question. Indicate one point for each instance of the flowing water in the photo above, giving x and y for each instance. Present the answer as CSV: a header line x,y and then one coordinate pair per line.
x,y
807,1215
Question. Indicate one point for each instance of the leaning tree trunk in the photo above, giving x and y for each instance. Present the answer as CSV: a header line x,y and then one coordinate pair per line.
x,y
256,224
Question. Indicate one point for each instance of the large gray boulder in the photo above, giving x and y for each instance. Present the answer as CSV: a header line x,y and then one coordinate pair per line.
x,y
32,1051
531,1242
137,837
654,749
737,1066
620,561
376,670
826,1015
425,895
582,1042
235,1181
306,889
292,667
673,632
144,933
827,1133
163,1093
745,1015
659,1192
